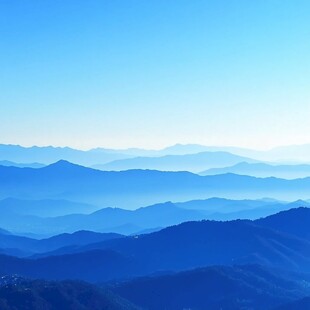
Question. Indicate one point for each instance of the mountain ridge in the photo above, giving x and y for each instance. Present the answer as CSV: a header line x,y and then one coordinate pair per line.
x,y
139,187
187,162
263,170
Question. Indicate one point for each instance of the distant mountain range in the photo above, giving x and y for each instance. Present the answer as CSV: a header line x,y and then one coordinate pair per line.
x,y
50,154
148,226
289,154
34,217
22,246
47,155
13,164
104,220
191,162
43,208
284,154
137,188
182,247
262,170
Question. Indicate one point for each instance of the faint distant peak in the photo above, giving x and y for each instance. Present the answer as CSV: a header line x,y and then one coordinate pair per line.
x,y
8,163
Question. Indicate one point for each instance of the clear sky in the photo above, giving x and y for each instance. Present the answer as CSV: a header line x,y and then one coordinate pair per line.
x,y
149,73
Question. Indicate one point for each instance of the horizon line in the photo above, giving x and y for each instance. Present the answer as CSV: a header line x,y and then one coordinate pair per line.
x,y
29,146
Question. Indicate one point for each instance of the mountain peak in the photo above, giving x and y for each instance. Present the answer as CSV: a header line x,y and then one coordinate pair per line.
x,y
62,164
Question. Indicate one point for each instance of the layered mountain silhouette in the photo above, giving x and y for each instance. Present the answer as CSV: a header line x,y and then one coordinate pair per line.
x,y
289,154
25,246
128,221
104,220
182,247
145,224
263,170
43,207
20,165
228,209
49,154
190,162
137,188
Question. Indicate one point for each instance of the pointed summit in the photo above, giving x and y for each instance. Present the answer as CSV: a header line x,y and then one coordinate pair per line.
x,y
61,163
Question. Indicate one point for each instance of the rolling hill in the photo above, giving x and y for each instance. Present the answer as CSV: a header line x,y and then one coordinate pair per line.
x,y
213,288
26,294
177,248
294,222
24,246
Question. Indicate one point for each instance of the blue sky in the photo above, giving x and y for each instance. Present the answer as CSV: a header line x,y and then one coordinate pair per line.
x,y
153,73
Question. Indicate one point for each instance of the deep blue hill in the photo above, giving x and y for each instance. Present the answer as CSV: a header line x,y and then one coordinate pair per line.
x,y
94,266
294,221
185,246
4,232
238,287
38,295
301,304
24,246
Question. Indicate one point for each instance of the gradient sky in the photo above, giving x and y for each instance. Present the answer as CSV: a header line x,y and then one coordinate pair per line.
x,y
152,73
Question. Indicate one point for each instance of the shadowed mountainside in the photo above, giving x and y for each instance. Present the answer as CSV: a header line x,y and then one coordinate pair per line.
x,y
294,222
185,246
213,288
38,294
23,246
299,304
